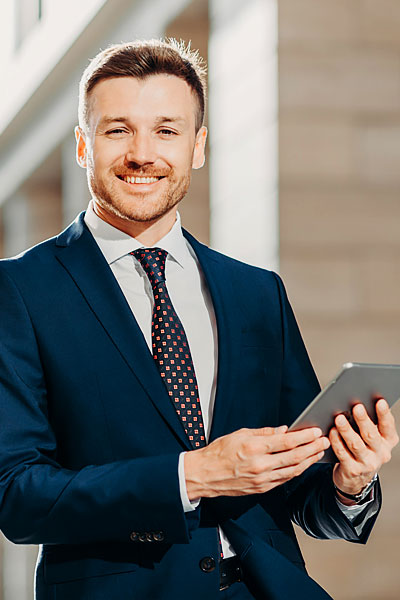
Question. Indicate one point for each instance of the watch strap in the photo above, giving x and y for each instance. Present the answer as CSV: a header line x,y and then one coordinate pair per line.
x,y
358,498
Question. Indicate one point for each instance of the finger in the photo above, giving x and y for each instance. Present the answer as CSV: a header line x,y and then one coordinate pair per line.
x,y
291,439
352,440
286,473
368,430
261,431
340,449
299,454
281,429
386,422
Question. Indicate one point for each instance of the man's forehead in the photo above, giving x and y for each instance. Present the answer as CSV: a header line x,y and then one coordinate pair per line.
x,y
160,86
160,96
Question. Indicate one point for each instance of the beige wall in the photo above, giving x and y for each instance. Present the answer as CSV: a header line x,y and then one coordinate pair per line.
x,y
339,102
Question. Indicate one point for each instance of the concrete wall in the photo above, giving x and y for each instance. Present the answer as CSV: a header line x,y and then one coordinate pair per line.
x,y
339,103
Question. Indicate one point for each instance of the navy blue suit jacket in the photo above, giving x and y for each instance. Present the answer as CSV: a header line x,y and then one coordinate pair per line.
x,y
89,441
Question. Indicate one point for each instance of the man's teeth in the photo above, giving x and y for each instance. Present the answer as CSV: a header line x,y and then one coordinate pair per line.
x,y
141,179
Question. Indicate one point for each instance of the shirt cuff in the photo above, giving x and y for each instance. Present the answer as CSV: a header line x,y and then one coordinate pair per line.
x,y
188,505
351,512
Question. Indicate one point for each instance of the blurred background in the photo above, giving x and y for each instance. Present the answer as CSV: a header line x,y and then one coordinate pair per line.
x,y
302,176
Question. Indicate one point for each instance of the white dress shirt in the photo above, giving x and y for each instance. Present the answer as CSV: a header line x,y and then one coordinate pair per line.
x,y
191,299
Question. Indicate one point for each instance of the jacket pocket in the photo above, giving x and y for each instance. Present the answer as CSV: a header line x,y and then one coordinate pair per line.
x,y
71,570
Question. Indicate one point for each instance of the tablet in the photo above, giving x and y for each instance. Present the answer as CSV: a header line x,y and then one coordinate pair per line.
x,y
355,383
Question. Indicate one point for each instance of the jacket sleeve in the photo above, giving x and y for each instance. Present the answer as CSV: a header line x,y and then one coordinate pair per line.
x,y
311,497
41,502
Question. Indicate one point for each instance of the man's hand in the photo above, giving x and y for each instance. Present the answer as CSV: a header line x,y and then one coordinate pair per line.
x,y
362,455
251,461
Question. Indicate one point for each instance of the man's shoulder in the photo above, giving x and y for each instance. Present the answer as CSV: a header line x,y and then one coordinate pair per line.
x,y
233,264
238,270
42,253
30,258
238,264
37,265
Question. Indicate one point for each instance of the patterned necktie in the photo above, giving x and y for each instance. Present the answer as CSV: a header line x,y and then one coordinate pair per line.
x,y
171,348
171,351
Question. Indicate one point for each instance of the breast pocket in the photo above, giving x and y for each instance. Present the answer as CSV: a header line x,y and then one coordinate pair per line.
x,y
256,338
259,385
260,360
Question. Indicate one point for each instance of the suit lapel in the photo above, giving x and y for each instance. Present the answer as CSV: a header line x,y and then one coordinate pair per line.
x,y
228,317
79,254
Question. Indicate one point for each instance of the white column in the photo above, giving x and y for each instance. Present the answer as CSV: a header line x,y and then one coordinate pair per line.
x,y
243,129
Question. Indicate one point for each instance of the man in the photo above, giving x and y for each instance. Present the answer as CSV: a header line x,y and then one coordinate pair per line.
x,y
147,381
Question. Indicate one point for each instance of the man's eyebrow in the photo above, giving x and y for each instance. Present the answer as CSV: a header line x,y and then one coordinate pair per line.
x,y
163,119
110,119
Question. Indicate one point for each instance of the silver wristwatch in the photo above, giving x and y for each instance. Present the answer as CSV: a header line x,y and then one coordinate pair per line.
x,y
358,498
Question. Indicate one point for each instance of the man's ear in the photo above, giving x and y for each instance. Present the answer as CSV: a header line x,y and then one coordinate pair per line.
x,y
199,155
81,147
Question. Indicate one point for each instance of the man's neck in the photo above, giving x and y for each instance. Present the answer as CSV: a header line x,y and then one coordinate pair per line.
x,y
147,233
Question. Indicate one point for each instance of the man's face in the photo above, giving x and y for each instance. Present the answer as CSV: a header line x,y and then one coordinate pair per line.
x,y
141,145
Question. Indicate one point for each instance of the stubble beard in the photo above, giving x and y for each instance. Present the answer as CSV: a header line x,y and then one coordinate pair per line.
x,y
136,209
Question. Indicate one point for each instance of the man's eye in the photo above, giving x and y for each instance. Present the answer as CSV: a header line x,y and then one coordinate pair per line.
x,y
116,131
167,132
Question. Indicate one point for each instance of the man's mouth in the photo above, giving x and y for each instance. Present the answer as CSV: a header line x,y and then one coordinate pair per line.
x,y
130,179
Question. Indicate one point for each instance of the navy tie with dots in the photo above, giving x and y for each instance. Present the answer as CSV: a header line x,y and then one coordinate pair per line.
x,y
170,348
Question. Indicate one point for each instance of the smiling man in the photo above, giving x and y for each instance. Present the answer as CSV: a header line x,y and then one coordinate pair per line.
x,y
125,125
147,381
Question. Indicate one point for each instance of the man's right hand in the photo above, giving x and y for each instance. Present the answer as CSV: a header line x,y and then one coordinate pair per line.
x,y
251,461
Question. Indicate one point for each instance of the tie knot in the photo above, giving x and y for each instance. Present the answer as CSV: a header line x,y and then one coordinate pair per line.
x,y
153,262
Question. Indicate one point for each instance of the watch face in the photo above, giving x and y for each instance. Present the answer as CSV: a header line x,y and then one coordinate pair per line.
x,y
367,490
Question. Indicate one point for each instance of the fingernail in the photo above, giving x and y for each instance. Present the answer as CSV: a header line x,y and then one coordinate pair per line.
x,y
317,431
320,455
281,429
359,410
341,420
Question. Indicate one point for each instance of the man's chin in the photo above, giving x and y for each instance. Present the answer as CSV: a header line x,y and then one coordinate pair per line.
x,y
128,215
139,218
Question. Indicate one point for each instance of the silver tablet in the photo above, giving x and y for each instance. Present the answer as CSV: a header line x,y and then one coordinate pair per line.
x,y
356,382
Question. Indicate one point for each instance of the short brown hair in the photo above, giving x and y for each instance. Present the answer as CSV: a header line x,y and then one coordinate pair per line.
x,y
141,59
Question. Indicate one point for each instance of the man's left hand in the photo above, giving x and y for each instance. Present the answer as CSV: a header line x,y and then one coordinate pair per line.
x,y
361,455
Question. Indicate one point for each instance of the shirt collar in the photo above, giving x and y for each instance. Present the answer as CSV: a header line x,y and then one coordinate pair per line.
x,y
116,244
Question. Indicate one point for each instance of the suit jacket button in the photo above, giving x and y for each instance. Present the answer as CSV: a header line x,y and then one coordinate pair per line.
x,y
207,564
158,536
149,537
134,536
142,537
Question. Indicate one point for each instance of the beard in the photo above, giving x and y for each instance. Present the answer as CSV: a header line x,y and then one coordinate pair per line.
x,y
139,206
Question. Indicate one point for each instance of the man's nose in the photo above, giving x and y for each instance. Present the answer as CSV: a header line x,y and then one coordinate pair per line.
x,y
141,149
